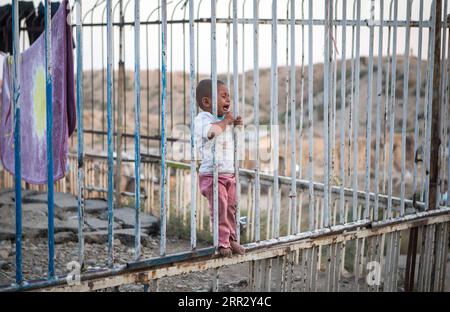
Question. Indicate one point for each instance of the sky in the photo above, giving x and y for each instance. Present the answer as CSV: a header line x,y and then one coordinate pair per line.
x,y
94,53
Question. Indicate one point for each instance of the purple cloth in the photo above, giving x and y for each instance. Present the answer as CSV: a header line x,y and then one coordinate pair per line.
x,y
33,105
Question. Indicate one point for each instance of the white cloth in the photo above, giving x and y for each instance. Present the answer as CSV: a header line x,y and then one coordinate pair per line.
x,y
224,145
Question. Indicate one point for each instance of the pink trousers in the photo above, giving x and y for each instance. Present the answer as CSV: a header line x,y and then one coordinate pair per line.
x,y
227,205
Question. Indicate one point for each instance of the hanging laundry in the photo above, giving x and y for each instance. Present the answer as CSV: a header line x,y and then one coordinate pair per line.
x,y
33,105
36,22
26,11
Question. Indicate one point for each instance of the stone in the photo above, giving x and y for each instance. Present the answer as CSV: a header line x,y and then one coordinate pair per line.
x,y
95,224
7,196
126,217
7,199
6,246
126,236
64,237
7,233
4,265
64,201
69,225
97,237
41,208
95,206
4,254
34,222
35,229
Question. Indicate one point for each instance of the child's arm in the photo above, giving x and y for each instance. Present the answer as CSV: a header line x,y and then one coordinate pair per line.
x,y
218,127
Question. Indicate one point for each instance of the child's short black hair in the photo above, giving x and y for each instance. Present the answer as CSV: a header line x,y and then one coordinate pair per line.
x,y
204,89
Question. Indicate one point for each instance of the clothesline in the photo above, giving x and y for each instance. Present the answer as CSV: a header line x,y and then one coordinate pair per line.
x,y
34,21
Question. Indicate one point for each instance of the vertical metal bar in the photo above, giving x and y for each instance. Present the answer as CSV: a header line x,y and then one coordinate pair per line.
x,y
80,134
109,40
198,31
243,63
369,111
405,105
422,234
184,70
332,108
103,80
293,194
275,125
386,106
137,131
352,93
92,76
228,46
356,113
300,134
238,134
159,57
418,96
428,125
286,95
326,121
396,256
17,140
120,106
435,142
378,111
444,112
310,115
193,109
342,115
214,111
256,114
49,118
392,109
163,180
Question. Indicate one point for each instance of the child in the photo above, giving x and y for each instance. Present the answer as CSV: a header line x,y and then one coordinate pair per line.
x,y
210,128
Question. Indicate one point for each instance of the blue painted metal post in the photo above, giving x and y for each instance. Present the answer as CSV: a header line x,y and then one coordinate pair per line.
x,y
80,134
17,158
109,40
163,180
49,115
137,135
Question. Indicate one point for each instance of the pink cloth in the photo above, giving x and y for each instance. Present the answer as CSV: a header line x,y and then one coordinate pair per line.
x,y
227,205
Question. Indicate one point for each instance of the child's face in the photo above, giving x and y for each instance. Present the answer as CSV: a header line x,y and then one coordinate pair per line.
x,y
223,101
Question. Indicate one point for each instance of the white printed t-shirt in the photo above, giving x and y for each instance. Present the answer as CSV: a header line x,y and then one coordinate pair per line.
x,y
224,145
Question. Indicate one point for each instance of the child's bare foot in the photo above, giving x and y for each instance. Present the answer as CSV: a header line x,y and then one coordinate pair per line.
x,y
236,248
225,252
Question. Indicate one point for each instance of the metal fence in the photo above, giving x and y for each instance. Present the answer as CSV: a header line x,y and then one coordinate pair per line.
x,y
358,145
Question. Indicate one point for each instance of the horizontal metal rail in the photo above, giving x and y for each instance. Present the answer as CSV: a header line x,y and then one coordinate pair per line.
x,y
316,22
203,259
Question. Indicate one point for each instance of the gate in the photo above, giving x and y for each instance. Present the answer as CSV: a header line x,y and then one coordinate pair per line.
x,y
344,166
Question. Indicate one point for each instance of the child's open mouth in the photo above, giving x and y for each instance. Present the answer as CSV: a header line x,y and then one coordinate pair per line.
x,y
226,108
